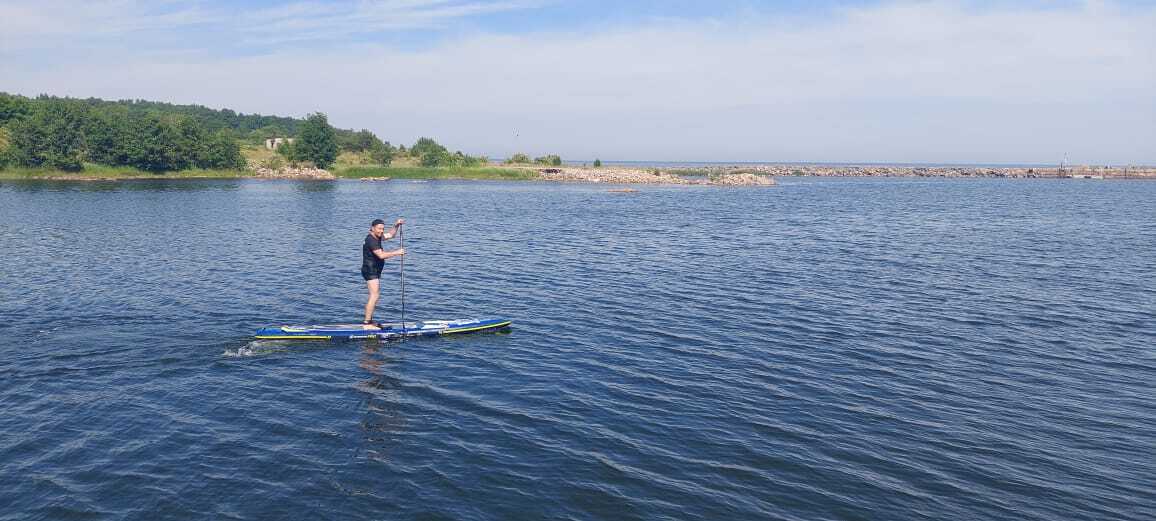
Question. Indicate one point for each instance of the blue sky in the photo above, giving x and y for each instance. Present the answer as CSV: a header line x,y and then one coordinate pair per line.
x,y
902,81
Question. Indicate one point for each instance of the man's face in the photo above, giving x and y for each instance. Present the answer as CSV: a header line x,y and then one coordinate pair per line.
x,y
378,230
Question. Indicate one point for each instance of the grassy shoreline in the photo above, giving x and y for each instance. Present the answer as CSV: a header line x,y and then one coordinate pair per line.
x,y
106,173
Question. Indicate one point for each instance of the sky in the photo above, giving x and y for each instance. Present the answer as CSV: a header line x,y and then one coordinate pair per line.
x,y
939,81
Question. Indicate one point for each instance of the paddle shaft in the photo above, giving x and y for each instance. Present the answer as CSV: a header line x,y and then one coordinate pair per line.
x,y
401,272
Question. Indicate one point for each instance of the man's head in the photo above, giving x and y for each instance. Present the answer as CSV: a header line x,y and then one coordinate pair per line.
x,y
377,227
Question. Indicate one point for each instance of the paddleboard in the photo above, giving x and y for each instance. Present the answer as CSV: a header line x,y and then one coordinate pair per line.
x,y
388,331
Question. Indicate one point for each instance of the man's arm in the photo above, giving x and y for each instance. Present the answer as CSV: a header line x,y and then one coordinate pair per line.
x,y
393,233
382,254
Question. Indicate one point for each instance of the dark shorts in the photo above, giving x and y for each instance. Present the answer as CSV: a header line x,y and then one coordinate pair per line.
x,y
370,273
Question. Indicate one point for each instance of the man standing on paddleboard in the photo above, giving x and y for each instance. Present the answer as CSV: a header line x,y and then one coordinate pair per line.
x,y
373,260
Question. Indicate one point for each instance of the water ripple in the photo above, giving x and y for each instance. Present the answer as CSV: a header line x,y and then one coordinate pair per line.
x,y
828,349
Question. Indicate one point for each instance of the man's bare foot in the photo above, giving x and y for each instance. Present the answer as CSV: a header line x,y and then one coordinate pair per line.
x,y
369,326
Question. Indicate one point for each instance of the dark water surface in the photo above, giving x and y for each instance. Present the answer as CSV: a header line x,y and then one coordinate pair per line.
x,y
825,349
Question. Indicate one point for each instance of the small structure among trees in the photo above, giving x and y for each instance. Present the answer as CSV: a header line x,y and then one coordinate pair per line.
x,y
274,142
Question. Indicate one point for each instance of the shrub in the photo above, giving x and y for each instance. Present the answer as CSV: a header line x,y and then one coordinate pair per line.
x,y
426,145
273,163
434,157
549,159
360,141
597,163
467,160
382,153
287,151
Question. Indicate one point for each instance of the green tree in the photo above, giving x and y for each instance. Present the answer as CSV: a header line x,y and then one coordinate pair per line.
x,y
430,153
426,145
13,107
222,151
366,140
360,141
50,136
106,134
316,141
153,144
156,142
382,153
518,158
192,147
597,163
5,141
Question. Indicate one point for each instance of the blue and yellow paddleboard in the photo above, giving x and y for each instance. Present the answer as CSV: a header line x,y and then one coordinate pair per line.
x,y
388,331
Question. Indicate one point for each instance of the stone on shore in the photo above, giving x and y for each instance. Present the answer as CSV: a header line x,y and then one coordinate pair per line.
x,y
632,176
744,179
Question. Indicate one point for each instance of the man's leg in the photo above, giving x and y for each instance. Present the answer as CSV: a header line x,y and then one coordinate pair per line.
x,y
374,288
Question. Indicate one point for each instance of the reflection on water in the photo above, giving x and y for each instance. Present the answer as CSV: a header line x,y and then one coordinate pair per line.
x,y
316,186
123,185
381,395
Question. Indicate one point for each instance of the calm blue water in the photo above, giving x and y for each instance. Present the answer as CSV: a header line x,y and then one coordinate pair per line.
x,y
824,349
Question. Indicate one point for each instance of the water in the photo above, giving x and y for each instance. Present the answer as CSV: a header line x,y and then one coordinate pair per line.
x,y
824,349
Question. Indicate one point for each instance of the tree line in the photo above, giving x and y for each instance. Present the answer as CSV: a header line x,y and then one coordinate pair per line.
x,y
64,133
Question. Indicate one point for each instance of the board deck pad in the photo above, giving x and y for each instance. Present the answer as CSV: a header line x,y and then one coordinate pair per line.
x,y
389,330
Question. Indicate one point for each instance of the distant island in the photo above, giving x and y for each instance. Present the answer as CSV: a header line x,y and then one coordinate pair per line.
x,y
62,138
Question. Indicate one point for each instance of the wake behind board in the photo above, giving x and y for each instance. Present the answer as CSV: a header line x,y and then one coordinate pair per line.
x,y
388,331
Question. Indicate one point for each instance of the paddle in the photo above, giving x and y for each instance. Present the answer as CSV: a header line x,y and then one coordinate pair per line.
x,y
401,234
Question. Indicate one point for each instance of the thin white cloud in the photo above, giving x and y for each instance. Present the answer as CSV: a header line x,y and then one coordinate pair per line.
x,y
51,23
44,24
904,81
328,21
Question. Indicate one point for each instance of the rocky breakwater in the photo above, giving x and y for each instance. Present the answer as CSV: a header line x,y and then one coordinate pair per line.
x,y
608,175
614,175
292,172
1105,172
741,179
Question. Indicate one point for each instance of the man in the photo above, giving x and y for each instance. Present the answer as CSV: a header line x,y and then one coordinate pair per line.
x,y
373,260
